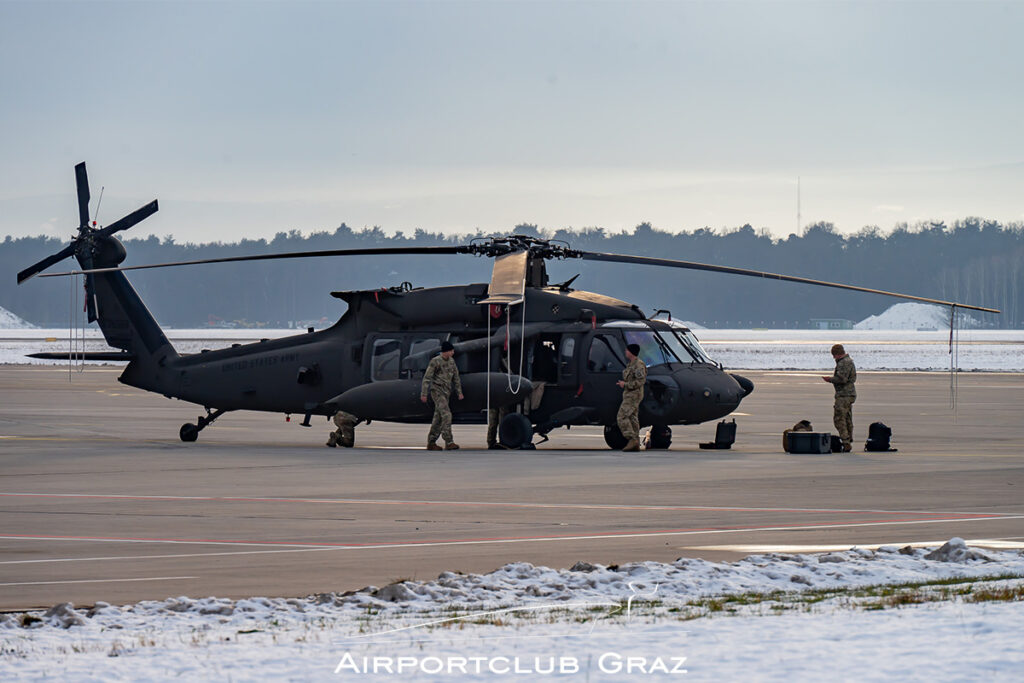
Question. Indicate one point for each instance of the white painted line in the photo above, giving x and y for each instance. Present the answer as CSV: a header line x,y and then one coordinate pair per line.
x,y
52,583
471,503
292,548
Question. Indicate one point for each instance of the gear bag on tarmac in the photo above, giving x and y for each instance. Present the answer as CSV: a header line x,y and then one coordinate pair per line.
x,y
878,438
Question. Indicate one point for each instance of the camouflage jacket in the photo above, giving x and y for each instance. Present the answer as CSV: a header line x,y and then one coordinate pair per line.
x,y
441,374
844,377
634,375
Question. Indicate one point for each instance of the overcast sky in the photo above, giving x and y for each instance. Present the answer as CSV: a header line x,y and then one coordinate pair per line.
x,y
248,118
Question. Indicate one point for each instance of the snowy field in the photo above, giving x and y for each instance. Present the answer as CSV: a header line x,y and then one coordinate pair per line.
x,y
979,350
949,613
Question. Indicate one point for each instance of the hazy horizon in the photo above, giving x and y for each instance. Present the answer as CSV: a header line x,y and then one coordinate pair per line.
x,y
246,119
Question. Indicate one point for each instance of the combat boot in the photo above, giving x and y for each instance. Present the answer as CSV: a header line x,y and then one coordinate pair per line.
x,y
431,446
332,440
632,445
847,447
451,446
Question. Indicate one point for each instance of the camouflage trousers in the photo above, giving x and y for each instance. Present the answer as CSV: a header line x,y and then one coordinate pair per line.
x,y
442,422
628,418
842,417
345,434
494,417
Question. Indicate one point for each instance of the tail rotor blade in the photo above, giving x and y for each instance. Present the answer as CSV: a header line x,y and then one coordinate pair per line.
x,y
129,220
46,263
90,298
82,181
90,287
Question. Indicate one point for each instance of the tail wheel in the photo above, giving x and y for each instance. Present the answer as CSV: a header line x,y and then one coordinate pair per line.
x,y
614,438
188,432
515,431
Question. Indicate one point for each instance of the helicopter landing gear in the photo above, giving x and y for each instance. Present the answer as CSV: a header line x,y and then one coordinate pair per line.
x,y
614,438
661,437
515,432
190,432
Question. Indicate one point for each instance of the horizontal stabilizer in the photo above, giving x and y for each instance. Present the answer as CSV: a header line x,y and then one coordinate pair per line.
x,y
84,355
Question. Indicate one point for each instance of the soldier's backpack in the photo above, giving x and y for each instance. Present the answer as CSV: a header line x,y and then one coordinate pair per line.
x,y
878,438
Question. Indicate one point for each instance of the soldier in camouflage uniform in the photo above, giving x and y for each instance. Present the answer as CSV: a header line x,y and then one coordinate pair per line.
x,y
494,418
441,374
632,384
345,435
843,380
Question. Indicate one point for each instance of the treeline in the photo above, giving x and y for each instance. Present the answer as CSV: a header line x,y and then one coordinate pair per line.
x,y
972,261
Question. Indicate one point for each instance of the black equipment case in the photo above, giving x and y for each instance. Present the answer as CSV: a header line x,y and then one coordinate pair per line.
x,y
810,442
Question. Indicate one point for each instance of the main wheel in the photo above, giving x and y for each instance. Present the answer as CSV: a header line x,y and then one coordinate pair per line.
x,y
188,432
515,431
661,437
614,438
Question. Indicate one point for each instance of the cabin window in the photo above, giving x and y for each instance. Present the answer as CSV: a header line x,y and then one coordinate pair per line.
x,y
565,356
606,354
386,356
423,344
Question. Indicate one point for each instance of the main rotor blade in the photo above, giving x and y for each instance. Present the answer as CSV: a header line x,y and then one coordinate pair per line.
x,y
46,263
373,251
691,265
82,181
129,220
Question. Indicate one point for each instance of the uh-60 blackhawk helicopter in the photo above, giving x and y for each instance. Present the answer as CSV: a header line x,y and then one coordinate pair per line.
x,y
549,353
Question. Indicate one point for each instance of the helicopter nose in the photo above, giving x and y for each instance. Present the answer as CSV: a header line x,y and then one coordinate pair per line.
x,y
705,393
744,383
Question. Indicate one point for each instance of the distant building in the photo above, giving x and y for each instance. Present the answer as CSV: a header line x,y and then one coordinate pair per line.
x,y
831,324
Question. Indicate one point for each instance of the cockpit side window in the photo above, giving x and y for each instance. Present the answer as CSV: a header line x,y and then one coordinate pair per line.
x,y
606,354
386,356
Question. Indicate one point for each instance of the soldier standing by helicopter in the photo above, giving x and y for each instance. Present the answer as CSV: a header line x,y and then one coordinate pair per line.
x,y
843,380
441,374
632,385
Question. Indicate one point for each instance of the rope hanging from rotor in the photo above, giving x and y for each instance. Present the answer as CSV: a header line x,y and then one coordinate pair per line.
x,y
508,348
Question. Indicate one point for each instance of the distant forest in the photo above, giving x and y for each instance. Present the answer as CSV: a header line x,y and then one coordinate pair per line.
x,y
972,261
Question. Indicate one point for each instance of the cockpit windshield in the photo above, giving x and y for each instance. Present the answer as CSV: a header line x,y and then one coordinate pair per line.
x,y
677,345
693,346
684,352
658,347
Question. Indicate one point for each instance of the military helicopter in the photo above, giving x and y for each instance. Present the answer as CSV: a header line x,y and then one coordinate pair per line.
x,y
549,353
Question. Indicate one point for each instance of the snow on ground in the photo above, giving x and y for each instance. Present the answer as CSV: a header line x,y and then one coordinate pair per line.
x,y
978,350
767,617
915,316
9,321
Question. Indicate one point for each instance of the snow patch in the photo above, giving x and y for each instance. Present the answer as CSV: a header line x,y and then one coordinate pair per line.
x,y
915,316
588,616
9,321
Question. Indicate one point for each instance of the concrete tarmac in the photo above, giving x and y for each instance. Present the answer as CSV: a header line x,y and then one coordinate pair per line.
x,y
100,500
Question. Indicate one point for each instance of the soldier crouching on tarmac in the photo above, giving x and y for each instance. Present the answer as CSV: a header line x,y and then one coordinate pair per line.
x,y
345,434
632,384
441,374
